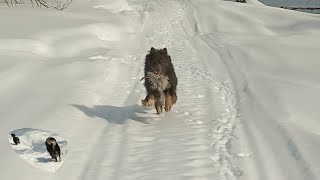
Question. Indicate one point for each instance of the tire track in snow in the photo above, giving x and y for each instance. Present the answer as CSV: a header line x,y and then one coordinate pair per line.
x,y
224,122
224,125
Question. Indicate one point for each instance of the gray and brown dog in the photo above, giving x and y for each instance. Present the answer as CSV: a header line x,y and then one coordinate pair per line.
x,y
160,80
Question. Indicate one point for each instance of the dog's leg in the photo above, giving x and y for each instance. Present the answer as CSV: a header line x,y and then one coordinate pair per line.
x,y
159,107
170,100
158,102
148,101
52,155
144,101
168,103
174,98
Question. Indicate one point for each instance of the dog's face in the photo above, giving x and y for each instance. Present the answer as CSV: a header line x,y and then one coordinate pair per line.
x,y
158,62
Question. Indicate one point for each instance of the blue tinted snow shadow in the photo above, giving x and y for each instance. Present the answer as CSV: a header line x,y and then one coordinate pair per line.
x,y
114,114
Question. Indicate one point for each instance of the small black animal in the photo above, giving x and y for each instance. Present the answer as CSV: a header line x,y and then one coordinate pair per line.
x,y
16,140
160,80
53,148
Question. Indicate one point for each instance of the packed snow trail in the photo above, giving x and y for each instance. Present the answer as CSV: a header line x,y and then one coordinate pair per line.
x,y
177,145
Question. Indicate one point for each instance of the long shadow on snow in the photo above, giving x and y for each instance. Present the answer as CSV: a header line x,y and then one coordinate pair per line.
x,y
113,114
45,160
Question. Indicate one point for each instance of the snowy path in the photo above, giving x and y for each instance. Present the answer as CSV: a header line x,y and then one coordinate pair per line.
x,y
177,145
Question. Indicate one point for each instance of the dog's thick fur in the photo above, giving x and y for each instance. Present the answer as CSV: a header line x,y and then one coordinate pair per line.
x,y
160,80
16,140
53,148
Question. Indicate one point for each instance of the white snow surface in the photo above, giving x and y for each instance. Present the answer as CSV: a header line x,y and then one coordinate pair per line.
x,y
247,94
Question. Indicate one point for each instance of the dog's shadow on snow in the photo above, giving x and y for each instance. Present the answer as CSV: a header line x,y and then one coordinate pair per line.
x,y
45,160
113,114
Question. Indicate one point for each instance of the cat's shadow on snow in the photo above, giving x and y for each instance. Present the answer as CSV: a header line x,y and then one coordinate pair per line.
x,y
114,114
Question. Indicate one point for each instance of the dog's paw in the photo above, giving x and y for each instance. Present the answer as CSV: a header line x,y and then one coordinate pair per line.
x,y
148,102
159,109
144,103
168,103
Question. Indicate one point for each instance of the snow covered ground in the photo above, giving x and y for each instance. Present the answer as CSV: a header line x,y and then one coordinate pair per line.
x,y
247,93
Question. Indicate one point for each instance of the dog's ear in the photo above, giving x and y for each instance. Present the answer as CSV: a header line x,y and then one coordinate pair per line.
x,y
152,50
164,51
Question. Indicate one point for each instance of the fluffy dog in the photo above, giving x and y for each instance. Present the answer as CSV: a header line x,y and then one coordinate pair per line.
x,y
16,140
160,80
53,148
